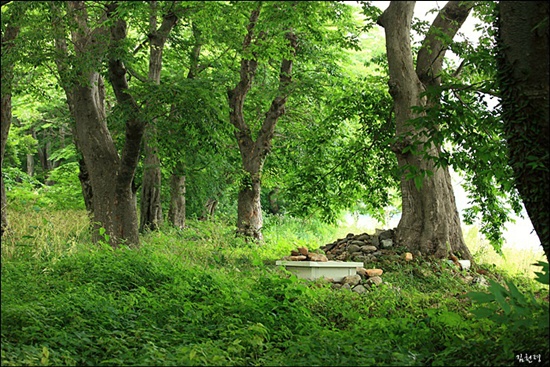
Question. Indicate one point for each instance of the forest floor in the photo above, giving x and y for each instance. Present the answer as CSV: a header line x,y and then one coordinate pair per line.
x,y
201,296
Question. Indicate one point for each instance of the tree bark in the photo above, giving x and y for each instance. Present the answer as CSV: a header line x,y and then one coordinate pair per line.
x,y
523,70
253,152
209,209
111,175
176,213
8,38
430,223
151,205
67,85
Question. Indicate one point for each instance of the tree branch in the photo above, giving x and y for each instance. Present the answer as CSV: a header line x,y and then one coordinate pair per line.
x,y
238,94
277,108
443,29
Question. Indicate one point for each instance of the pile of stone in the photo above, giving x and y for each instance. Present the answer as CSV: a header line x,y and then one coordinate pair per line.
x,y
362,247
365,248
303,254
360,282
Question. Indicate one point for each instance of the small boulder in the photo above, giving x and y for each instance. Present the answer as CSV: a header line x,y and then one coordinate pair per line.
x,y
363,237
408,256
387,243
374,272
303,250
362,272
317,257
359,289
374,281
352,279
368,249
354,248
297,258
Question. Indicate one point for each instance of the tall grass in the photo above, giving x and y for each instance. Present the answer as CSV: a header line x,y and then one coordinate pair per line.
x,y
41,232
514,260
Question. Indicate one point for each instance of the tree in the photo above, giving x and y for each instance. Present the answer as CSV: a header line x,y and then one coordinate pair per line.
x,y
10,30
429,223
254,151
111,175
523,75
151,208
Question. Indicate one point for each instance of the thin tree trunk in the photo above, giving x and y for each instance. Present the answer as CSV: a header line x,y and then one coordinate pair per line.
x,y
274,205
524,82
176,213
151,205
177,209
209,209
30,165
430,223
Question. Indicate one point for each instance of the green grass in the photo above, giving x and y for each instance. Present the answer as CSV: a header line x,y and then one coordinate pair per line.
x,y
200,296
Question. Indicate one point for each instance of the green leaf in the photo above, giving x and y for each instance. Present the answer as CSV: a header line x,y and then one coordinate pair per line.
x,y
516,294
499,293
481,297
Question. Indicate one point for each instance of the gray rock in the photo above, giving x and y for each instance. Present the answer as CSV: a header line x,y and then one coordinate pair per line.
x,y
363,237
359,289
375,241
346,286
368,249
352,279
353,248
387,243
374,280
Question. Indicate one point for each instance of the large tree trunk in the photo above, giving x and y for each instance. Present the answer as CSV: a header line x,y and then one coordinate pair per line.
x,y
254,152
249,210
111,176
10,33
114,202
151,206
524,82
430,223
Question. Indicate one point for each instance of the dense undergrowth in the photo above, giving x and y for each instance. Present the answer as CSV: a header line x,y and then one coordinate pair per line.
x,y
200,296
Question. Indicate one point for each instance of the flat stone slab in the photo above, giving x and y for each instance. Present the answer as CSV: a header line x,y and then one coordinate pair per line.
x,y
311,270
